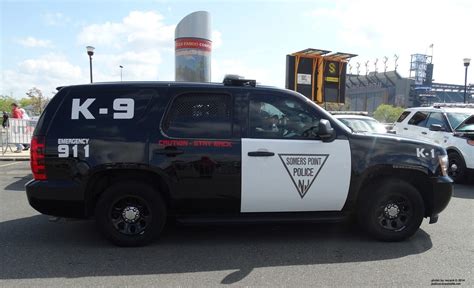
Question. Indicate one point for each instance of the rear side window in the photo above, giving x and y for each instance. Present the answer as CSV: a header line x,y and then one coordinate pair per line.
x,y
197,115
403,116
419,119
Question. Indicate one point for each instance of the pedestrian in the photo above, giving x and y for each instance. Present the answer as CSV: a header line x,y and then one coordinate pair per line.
x,y
25,116
16,114
5,119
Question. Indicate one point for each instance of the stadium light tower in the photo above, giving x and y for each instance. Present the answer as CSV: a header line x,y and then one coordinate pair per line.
x,y
467,61
385,60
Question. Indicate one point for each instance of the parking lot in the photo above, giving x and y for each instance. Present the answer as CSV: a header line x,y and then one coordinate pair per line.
x,y
37,252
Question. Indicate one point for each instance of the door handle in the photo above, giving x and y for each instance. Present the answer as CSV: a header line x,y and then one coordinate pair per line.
x,y
261,154
405,128
168,151
424,133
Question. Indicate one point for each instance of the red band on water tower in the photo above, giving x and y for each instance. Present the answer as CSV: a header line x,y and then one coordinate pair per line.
x,y
192,43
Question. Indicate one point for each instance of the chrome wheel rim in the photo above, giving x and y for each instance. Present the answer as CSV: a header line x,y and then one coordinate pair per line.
x,y
130,215
394,213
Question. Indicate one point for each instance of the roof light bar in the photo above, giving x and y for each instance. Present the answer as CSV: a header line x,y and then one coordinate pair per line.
x,y
237,80
453,105
361,113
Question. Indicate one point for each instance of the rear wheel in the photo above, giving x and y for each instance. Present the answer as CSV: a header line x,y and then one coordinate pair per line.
x,y
130,213
457,167
392,210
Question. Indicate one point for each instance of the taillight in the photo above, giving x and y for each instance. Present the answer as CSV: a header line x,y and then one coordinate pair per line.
x,y
37,158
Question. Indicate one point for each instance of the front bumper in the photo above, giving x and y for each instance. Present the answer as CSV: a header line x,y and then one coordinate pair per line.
x,y
56,198
442,190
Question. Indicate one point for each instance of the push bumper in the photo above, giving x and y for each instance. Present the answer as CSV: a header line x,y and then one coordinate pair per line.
x,y
56,198
440,196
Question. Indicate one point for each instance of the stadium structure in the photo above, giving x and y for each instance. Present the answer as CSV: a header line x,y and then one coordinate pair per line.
x,y
367,91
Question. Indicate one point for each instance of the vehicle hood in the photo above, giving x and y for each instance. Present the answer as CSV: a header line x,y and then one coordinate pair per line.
x,y
393,137
388,150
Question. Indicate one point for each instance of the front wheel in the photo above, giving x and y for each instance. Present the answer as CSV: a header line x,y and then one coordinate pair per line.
x,y
457,167
130,213
391,211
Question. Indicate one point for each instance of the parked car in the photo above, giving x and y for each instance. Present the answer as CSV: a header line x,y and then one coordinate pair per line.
x,y
360,122
446,124
135,155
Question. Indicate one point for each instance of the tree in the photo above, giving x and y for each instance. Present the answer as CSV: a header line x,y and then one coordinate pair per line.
x,y
387,113
24,102
5,103
38,101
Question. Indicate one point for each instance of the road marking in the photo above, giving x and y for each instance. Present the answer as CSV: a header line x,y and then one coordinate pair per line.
x,y
9,164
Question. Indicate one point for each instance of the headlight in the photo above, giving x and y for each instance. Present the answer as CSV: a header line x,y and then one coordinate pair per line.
x,y
443,164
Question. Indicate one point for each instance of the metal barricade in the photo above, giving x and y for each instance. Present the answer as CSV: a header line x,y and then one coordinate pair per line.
x,y
18,131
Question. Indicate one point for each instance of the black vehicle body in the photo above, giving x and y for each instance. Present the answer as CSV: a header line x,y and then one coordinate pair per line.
x,y
199,176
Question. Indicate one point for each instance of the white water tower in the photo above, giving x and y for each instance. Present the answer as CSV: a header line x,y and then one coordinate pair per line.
x,y
193,48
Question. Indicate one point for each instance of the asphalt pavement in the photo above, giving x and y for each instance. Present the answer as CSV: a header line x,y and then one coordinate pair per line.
x,y
66,253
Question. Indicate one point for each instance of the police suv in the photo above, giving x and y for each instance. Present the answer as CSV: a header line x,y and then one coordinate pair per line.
x,y
450,125
134,155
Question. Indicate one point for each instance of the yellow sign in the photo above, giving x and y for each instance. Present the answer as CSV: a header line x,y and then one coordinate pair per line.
x,y
332,68
332,79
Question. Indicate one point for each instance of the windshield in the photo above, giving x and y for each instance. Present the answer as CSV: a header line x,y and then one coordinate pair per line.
x,y
455,119
467,126
363,125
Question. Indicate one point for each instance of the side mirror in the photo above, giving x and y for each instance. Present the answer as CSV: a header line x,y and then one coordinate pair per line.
x,y
326,132
436,127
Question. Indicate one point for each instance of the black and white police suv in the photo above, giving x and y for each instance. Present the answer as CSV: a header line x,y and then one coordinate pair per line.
x,y
135,155
450,125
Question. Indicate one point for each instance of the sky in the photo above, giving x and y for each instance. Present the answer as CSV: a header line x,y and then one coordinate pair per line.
x,y
43,42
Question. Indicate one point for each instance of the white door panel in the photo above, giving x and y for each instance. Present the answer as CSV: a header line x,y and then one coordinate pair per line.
x,y
303,175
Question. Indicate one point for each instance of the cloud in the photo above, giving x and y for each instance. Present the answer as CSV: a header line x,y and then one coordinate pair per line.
x,y
138,30
35,43
216,39
46,73
137,65
137,42
55,19
404,28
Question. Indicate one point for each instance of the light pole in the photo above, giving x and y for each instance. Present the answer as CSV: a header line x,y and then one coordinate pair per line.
x,y
90,52
467,61
121,69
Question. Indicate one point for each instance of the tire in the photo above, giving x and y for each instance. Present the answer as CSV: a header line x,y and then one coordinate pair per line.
x,y
130,214
391,210
460,172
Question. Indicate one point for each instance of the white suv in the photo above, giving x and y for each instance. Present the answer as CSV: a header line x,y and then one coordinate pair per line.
x,y
449,125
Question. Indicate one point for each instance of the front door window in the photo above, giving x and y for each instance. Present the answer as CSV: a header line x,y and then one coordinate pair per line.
x,y
280,117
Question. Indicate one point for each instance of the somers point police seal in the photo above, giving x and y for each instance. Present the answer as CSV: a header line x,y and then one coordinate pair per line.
x,y
303,169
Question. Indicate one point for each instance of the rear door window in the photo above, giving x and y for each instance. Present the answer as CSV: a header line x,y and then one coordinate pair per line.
x,y
419,119
199,115
403,116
